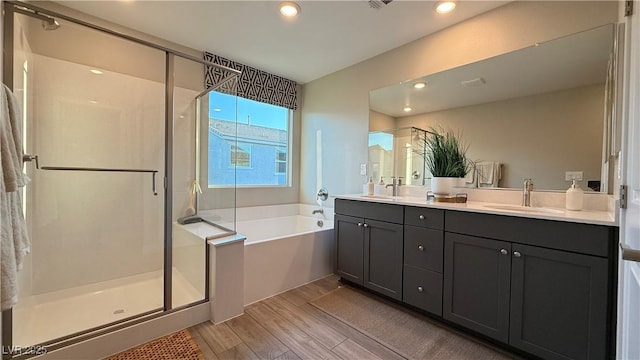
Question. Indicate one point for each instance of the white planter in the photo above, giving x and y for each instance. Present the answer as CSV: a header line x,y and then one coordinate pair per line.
x,y
443,186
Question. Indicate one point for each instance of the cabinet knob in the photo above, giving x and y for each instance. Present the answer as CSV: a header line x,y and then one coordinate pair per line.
x,y
420,247
420,289
359,224
504,251
366,225
517,254
421,217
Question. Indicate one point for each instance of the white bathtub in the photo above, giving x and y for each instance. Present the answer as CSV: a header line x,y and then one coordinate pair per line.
x,y
285,250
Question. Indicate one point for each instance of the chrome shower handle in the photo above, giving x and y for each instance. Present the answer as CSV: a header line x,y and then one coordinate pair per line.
x,y
29,158
322,194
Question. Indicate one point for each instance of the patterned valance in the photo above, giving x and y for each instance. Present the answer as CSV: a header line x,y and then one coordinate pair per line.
x,y
253,84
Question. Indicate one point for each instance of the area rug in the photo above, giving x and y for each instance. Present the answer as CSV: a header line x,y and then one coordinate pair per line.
x,y
409,334
177,346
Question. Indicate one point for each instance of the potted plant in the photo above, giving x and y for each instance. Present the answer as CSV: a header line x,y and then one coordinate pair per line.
x,y
445,157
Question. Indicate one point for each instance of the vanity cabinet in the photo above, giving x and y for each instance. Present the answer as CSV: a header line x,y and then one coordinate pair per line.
x,y
551,302
423,253
369,245
544,287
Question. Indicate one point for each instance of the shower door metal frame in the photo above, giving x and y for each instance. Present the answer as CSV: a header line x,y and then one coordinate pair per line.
x,y
9,10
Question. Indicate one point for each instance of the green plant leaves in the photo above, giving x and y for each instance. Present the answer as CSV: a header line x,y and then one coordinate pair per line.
x,y
444,153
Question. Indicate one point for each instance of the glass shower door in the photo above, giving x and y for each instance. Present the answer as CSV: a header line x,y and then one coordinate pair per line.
x,y
192,197
94,209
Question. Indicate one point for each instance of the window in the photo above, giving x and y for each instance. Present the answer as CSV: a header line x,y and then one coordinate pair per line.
x,y
240,155
244,152
281,161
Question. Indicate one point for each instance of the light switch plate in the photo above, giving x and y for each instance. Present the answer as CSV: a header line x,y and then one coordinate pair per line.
x,y
573,175
363,169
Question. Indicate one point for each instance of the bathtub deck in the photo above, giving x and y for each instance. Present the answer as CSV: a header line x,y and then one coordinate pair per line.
x,y
289,318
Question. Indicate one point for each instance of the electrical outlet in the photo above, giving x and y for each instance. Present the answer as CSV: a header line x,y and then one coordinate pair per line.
x,y
363,169
573,175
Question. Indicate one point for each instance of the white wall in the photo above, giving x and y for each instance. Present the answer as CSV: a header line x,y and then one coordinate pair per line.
x,y
338,104
94,226
538,137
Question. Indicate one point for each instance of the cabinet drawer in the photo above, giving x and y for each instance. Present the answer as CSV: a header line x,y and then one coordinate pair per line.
x,y
581,238
422,289
370,210
423,248
424,217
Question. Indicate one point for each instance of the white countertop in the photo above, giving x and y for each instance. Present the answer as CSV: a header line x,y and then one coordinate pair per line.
x,y
584,216
205,232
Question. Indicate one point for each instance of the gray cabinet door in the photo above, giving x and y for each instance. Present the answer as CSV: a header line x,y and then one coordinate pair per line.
x,y
383,257
558,303
349,238
477,284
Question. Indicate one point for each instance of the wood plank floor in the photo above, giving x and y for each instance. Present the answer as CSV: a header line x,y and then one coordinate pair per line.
x,y
286,326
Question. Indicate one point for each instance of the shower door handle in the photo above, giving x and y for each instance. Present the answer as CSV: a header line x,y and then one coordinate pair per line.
x,y
29,158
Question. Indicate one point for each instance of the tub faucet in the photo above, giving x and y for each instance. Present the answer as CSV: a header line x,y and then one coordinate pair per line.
x,y
526,192
317,211
395,184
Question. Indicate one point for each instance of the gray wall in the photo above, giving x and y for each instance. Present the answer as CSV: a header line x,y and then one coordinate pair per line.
x,y
538,137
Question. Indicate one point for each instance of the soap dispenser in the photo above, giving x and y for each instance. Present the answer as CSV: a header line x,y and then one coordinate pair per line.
x,y
575,197
370,186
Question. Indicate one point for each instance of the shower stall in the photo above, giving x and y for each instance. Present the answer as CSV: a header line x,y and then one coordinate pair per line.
x,y
111,132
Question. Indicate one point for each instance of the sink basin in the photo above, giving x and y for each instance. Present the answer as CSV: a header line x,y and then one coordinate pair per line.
x,y
524,209
379,196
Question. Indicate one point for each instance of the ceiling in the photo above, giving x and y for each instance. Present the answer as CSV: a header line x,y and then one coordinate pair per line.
x,y
325,37
572,61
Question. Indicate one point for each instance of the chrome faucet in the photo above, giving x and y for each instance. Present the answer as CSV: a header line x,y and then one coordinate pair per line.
x,y
526,192
317,211
395,183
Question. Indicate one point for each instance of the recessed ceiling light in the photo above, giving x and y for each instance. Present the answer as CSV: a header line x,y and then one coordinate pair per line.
x,y
93,102
446,6
217,110
407,109
289,8
96,71
419,85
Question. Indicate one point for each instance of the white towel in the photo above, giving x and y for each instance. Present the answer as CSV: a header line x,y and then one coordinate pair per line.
x,y
489,173
11,142
470,178
14,241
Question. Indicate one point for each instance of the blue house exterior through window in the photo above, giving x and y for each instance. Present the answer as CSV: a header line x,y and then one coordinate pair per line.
x,y
259,156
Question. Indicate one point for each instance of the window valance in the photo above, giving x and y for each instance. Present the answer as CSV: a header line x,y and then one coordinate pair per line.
x,y
254,84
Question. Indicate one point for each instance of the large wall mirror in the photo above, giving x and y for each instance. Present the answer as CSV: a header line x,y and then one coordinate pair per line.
x,y
538,112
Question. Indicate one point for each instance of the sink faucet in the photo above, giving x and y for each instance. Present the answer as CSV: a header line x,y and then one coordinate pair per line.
x,y
395,183
526,192
317,211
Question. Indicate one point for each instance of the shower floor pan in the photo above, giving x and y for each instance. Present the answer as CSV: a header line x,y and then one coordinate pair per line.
x,y
41,318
